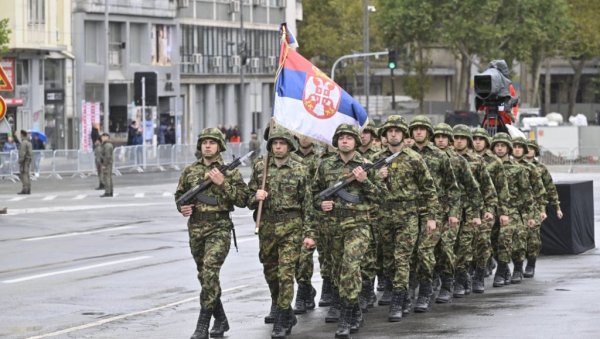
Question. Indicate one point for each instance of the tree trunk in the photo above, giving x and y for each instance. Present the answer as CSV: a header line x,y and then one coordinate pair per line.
x,y
422,74
578,68
463,82
536,64
547,87
467,87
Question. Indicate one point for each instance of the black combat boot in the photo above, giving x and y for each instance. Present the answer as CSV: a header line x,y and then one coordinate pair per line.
x,y
395,312
333,314
445,295
280,324
479,281
380,282
517,275
301,296
386,297
468,283
437,282
499,277
290,320
372,299
343,329
422,304
357,319
507,275
325,293
459,285
310,300
201,331
270,318
530,268
491,265
407,303
363,296
220,325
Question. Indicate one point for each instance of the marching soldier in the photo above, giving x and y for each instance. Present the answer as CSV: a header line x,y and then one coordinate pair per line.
x,y
436,248
539,195
285,223
210,226
97,161
367,135
404,177
481,146
534,240
106,164
472,205
350,221
25,151
519,207
463,142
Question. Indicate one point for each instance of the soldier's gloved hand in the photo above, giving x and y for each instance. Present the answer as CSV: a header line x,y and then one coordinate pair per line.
x,y
186,210
383,172
543,216
487,216
477,221
309,243
504,219
360,174
559,214
261,195
430,226
452,222
327,205
531,223
216,176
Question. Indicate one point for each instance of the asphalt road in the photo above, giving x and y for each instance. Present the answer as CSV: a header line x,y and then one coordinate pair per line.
x,y
73,265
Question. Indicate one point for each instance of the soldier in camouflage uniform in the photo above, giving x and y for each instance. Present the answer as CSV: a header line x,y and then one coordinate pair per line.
x,y
472,205
481,145
106,164
25,154
435,248
539,196
209,226
463,142
305,296
285,225
519,208
402,209
534,240
367,135
350,221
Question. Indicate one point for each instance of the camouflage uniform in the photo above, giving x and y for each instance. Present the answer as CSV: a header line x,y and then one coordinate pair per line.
x,y
519,208
534,240
209,226
25,152
106,161
285,220
481,245
539,206
472,205
97,160
349,224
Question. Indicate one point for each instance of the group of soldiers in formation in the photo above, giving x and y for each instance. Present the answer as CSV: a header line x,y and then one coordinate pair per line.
x,y
453,205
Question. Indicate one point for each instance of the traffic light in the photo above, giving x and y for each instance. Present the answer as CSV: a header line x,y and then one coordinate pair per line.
x,y
392,59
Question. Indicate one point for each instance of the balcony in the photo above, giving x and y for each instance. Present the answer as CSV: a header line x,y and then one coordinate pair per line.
x,y
151,8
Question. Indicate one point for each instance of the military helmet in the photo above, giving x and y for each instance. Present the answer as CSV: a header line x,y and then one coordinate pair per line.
x,y
346,129
443,129
370,128
532,144
214,134
482,133
463,131
282,133
423,121
520,141
502,137
394,121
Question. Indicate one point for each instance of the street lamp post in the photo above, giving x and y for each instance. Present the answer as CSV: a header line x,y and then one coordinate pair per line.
x,y
366,50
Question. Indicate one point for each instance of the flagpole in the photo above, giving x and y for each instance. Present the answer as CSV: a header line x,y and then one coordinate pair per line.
x,y
264,179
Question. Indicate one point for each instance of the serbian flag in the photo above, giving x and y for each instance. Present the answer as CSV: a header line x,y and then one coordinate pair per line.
x,y
307,101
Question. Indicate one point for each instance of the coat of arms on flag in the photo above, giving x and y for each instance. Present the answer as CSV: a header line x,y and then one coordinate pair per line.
x,y
307,101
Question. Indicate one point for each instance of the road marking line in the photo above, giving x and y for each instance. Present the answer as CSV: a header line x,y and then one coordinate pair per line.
x,y
79,233
83,268
123,316
139,195
167,194
50,197
78,208
80,196
17,198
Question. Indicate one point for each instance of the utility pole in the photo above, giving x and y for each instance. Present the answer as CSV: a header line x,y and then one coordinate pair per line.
x,y
106,67
243,52
366,50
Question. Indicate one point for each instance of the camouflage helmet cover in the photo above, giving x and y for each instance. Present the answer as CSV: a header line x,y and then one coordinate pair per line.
x,y
482,133
502,137
214,134
520,141
423,121
532,144
394,121
370,128
345,129
443,129
463,131
282,133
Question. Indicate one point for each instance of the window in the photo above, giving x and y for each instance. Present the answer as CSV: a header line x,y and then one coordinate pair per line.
x,y
136,36
22,72
91,29
36,12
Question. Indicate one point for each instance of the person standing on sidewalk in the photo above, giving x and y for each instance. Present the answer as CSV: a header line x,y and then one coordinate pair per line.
x,y
25,154
106,163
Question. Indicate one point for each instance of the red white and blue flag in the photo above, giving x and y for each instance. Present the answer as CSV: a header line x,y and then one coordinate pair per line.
x,y
307,101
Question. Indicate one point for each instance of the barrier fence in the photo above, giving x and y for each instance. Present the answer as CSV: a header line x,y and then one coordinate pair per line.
x,y
59,163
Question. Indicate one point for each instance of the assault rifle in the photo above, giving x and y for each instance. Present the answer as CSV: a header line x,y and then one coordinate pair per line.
x,y
195,194
339,187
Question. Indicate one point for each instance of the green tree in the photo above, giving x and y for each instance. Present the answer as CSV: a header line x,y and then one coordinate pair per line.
x,y
4,36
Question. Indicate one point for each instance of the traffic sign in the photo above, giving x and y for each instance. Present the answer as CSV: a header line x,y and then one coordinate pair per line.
x,y
2,108
5,84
